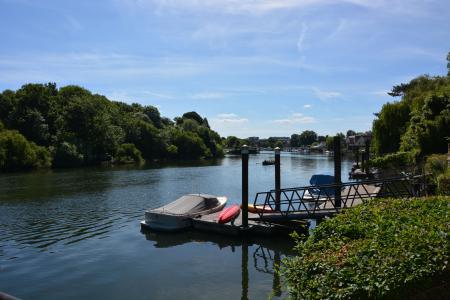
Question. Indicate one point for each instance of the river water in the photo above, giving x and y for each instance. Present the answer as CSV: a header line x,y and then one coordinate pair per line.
x,y
75,234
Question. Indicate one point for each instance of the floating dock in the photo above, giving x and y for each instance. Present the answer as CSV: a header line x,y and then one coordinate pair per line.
x,y
208,223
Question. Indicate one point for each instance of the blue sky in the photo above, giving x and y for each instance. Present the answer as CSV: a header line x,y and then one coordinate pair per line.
x,y
253,68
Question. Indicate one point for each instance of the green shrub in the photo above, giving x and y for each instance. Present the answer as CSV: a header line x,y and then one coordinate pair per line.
x,y
128,153
67,155
378,250
16,152
172,150
393,160
436,165
443,183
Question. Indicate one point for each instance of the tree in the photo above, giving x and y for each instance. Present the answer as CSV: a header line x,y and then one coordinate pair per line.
x,y
295,140
307,137
128,153
388,128
350,133
448,64
193,116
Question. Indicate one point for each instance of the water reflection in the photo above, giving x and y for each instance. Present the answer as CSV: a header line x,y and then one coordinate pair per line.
x,y
266,253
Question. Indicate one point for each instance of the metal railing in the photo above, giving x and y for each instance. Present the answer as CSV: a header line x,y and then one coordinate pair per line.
x,y
311,202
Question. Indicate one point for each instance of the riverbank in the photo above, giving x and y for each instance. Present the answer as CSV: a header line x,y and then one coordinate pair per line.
x,y
384,249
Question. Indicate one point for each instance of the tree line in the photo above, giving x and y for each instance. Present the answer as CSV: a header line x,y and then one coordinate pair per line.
x,y
42,126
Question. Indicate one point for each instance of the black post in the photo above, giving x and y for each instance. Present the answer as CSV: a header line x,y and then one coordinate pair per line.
x,y
244,270
244,153
337,170
367,153
277,178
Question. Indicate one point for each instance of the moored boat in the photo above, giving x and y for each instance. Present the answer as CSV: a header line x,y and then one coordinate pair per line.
x,y
178,214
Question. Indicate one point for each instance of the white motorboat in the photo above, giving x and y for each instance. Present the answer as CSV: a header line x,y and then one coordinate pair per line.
x,y
178,214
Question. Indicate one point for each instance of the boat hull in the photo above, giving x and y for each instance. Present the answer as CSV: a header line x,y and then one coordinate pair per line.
x,y
166,221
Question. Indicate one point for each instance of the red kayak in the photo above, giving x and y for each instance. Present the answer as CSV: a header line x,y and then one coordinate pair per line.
x,y
229,214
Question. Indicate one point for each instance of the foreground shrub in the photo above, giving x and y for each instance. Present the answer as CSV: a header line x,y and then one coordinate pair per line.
x,y
373,251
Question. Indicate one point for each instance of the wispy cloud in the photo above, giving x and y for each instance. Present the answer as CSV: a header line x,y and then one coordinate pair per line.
x,y
301,38
307,106
326,95
208,95
230,118
295,118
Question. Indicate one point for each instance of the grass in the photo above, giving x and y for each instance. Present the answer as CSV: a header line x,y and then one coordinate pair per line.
x,y
388,248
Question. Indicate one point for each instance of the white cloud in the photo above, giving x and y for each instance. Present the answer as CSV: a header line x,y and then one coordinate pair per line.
x,y
229,118
301,38
295,118
207,95
326,95
307,106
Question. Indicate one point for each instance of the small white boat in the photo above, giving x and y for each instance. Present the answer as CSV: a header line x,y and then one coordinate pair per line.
x,y
178,214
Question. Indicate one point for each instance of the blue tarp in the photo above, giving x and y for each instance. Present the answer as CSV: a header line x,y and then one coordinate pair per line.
x,y
320,179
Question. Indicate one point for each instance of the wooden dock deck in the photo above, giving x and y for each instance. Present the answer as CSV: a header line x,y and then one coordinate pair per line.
x,y
208,223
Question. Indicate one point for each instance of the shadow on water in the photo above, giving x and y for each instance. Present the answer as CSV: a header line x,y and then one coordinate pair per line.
x,y
262,253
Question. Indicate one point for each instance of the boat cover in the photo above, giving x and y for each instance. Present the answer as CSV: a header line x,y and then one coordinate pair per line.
x,y
190,204
320,179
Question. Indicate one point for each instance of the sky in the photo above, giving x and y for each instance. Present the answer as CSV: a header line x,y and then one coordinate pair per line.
x,y
253,68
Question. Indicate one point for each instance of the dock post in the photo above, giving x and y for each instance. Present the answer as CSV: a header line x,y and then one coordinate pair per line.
x,y
244,154
244,270
337,170
367,154
277,179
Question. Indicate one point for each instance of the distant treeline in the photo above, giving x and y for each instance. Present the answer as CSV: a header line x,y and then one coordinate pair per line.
x,y
43,126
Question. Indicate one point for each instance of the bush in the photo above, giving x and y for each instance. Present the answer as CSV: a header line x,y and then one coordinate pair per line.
x,y
393,160
378,250
443,183
16,152
436,165
66,155
128,153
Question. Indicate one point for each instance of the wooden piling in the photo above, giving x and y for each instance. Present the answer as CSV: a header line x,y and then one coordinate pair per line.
x,y
277,178
367,155
244,154
337,170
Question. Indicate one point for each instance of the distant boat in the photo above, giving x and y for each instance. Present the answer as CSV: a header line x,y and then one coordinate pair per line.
x,y
268,162
178,214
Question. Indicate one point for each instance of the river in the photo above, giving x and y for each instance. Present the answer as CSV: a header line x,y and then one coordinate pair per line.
x,y
75,234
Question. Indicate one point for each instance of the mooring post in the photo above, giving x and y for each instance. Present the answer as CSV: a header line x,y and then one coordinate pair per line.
x,y
367,154
244,153
277,178
337,170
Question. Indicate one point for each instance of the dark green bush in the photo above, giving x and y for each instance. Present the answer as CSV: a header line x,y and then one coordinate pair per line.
x,y
378,250
128,153
443,183
67,155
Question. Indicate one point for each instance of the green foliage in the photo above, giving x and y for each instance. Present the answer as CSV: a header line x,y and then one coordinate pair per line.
x,y
436,165
190,145
443,183
307,137
67,155
419,121
16,152
83,128
128,153
388,128
378,250
393,160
